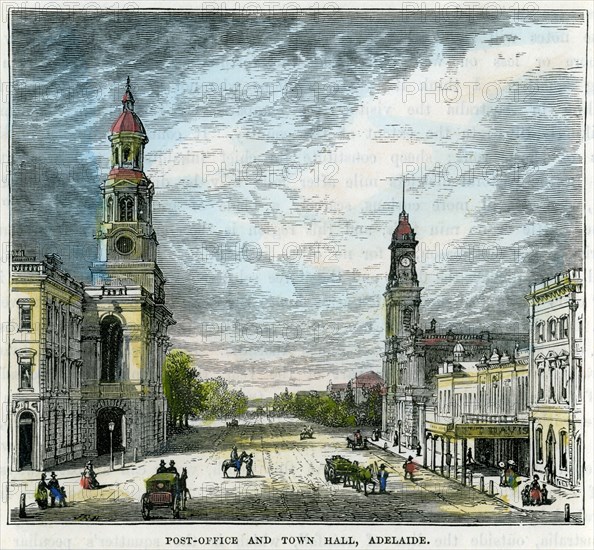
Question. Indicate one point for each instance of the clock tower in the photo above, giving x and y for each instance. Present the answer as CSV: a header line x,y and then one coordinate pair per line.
x,y
403,294
127,242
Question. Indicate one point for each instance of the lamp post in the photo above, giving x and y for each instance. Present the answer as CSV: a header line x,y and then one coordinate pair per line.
x,y
111,428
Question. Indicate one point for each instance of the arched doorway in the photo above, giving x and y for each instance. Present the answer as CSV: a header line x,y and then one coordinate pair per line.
x,y
26,438
104,417
112,338
551,463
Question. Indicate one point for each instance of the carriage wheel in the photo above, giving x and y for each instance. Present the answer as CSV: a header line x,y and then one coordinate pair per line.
x,y
332,475
175,508
326,476
146,511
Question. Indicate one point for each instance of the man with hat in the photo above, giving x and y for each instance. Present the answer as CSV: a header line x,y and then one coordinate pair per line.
x,y
382,476
171,469
249,464
55,492
162,468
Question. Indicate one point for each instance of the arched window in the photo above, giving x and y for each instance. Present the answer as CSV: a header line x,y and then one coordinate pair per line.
x,y
141,209
126,209
126,158
580,329
116,156
112,339
541,380
540,332
563,450
407,318
109,213
563,327
552,329
538,444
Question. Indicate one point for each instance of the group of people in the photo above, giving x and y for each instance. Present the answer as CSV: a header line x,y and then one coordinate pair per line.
x,y
534,494
249,461
49,492
171,469
508,474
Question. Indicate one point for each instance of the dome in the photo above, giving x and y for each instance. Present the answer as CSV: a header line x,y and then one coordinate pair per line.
x,y
128,121
459,348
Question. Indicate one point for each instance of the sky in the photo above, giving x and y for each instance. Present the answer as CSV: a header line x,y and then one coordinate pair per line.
x,y
278,145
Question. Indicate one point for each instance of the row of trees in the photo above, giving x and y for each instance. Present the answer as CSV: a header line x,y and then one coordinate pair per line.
x,y
332,410
189,395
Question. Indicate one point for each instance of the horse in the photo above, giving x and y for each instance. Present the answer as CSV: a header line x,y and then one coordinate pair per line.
x,y
363,476
183,487
231,464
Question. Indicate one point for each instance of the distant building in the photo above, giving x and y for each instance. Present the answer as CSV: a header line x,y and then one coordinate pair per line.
x,y
360,384
556,375
482,408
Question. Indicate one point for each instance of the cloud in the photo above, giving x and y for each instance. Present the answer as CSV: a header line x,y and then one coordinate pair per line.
x,y
277,146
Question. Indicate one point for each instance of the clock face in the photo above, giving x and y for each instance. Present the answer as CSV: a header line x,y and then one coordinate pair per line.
x,y
405,261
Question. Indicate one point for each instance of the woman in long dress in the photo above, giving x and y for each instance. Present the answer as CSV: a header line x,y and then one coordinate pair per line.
x,y
41,493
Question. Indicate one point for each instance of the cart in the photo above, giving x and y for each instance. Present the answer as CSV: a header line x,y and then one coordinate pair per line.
x,y
339,469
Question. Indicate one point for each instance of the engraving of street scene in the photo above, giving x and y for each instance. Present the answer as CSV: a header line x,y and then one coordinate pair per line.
x,y
303,267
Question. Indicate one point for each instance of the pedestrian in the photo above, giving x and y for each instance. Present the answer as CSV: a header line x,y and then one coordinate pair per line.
x,y
469,459
249,464
502,482
162,468
544,494
395,444
419,449
55,491
549,474
409,468
41,493
382,476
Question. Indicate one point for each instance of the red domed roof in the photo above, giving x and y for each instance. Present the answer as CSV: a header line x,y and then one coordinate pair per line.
x,y
404,227
128,121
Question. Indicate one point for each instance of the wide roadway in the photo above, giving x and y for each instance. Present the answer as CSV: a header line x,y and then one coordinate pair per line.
x,y
289,484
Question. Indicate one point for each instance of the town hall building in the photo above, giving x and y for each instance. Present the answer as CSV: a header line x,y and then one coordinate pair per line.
x,y
86,359
412,355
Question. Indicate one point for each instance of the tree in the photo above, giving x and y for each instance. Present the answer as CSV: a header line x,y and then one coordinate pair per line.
x,y
218,401
181,386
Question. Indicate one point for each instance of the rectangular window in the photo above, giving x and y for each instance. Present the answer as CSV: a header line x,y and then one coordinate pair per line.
x,y
578,374
541,391
563,450
539,444
25,365
25,317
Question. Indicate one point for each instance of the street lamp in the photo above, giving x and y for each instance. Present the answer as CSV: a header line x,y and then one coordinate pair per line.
x,y
111,426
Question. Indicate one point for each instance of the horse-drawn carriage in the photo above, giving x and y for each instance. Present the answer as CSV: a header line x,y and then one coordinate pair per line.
x,y
306,433
357,441
233,423
162,491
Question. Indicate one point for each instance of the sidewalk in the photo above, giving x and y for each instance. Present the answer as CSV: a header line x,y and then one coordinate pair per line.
x,y
558,496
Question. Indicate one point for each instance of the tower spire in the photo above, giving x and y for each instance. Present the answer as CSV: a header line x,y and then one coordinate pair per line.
x,y
128,99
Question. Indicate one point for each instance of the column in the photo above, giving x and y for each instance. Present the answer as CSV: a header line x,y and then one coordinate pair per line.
x,y
455,459
433,449
464,451
442,455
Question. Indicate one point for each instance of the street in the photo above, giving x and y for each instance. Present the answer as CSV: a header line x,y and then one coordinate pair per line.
x,y
288,486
